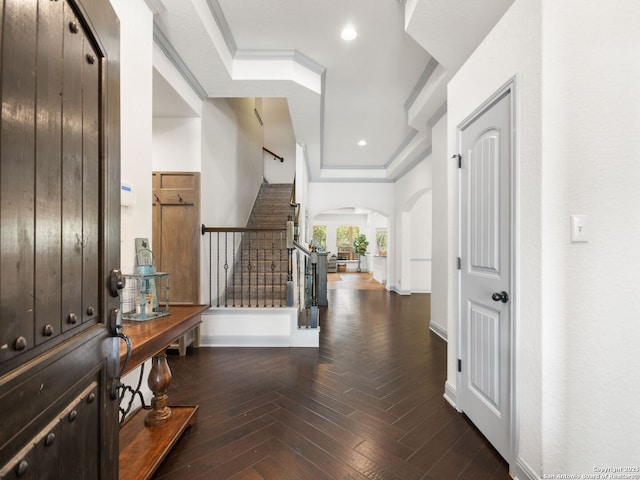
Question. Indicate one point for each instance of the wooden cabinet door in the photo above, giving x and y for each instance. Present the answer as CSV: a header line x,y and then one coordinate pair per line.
x,y
176,232
59,238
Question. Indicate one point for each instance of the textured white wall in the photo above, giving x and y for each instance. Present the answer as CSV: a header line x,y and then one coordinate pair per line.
x,y
513,48
231,168
378,197
177,144
136,52
420,260
231,161
412,222
136,47
591,166
440,245
279,138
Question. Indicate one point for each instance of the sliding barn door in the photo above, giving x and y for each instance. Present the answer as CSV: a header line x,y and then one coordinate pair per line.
x,y
59,238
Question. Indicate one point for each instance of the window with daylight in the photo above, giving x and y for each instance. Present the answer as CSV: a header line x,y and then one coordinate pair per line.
x,y
319,237
344,241
381,242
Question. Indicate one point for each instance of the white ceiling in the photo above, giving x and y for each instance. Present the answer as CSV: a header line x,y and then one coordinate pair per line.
x,y
383,86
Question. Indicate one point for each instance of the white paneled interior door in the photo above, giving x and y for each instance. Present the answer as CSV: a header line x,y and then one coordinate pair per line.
x,y
485,274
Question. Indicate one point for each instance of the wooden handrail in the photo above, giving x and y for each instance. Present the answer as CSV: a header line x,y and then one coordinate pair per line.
x,y
275,156
204,229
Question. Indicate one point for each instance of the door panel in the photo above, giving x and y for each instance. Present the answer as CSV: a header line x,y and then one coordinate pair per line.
x,y
16,178
485,242
59,238
49,164
90,181
176,232
72,237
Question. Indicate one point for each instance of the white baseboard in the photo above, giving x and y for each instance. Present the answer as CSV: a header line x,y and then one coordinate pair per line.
x,y
450,395
255,327
438,330
244,341
523,471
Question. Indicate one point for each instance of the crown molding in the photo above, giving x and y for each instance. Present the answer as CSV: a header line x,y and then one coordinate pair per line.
x,y
437,115
292,55
421,156
401,147
422,81
163,43
223,26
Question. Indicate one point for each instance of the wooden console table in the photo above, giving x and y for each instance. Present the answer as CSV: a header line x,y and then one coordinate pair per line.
x,y
148,436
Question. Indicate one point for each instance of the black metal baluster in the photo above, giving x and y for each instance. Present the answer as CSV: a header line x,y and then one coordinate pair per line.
x,y
264,271
226,269
258,272
218,271
299,284
233,282
249,268
210,272
242,239
273,273
279,264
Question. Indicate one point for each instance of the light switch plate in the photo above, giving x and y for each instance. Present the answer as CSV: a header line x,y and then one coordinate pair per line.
x,y
579,232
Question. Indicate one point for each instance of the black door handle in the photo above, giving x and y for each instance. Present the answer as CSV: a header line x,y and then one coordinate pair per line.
x,y
500,297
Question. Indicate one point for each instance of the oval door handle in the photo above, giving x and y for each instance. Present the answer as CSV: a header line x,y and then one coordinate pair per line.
x,y
500,297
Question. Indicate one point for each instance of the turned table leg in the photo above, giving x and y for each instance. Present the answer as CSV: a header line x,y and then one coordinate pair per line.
x,y
159,381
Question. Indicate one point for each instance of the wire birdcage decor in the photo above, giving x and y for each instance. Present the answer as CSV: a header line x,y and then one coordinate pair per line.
x,y
146,294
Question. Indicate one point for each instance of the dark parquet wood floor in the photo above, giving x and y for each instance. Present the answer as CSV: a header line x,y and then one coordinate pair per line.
x,y
367,404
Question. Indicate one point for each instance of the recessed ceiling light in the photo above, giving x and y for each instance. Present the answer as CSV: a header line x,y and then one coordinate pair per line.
x,y
349,33
362,143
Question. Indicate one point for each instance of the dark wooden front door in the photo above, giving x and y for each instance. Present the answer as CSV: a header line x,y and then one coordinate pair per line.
x,y
59,238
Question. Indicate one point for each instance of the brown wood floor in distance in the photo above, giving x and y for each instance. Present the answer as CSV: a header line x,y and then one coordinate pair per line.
x,y
351,281
366,405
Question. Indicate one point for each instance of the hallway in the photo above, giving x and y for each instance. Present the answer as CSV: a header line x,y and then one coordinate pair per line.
x,y
367,404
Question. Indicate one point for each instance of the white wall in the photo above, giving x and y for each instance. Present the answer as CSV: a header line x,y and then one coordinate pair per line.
x,y
177,144
378,197
302,193
136,47
411,253
513,48
577,147
279,138
590,165
420,259
441,246
136,51
231,168
231,161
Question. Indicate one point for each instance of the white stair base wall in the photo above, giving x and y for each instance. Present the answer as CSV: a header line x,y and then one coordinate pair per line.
x,y
255,327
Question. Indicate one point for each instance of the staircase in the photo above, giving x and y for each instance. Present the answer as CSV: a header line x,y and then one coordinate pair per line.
x,y
272,208
261,262
256,262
